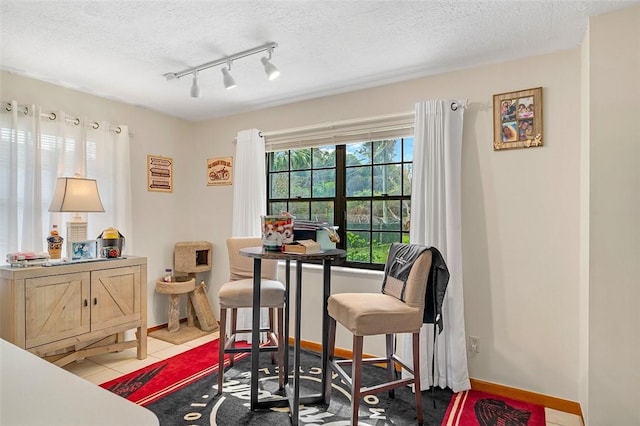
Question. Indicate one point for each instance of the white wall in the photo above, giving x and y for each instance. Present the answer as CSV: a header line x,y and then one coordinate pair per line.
x,y
614,245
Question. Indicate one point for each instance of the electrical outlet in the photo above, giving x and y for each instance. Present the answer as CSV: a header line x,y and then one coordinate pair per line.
x,y
474,344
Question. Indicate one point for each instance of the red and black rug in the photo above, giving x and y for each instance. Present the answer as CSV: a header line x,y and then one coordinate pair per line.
x,y
475,408
182,390
165,377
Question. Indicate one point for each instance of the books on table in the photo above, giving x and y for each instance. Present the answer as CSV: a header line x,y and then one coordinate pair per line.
x,y
302,247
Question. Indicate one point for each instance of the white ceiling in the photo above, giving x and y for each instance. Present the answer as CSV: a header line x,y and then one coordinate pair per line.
x,y
121,49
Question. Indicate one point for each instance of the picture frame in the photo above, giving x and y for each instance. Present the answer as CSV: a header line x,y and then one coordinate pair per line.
x,y
517,119
159,173
220,171
83,250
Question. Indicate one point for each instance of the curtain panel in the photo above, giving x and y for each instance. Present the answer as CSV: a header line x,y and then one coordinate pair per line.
x,y
436,221
35,149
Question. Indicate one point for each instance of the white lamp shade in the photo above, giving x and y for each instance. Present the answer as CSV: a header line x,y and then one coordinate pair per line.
x,y
76,195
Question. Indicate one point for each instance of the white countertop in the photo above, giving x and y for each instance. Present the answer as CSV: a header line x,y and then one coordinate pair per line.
x,y
36,392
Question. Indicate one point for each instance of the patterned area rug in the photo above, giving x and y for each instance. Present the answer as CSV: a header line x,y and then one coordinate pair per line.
x,y
475,408
198,403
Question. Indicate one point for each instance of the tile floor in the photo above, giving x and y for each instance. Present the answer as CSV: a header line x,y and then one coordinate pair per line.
x,y
101,368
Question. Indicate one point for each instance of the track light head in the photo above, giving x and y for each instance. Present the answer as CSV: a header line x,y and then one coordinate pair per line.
x,y
227,79
195,88
271,70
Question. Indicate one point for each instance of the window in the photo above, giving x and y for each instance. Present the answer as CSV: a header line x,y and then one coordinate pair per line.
x,y
363,188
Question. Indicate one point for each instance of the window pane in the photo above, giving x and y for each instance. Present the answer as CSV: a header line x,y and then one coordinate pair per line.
x,y
358,215
407,175
358,154
407,149
358,247
277,207
387,151
301,159
324,183
358,181
279,161
387,179
324,157
406,215
380,245
299,209
301,184
322,211
279,185
386,215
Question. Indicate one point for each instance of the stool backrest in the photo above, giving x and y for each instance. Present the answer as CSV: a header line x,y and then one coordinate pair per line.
x,y
241,267
410,289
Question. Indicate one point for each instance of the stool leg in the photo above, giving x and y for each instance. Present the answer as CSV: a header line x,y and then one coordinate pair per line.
x,y
232,335
390,363
416,376
221,343
281,343
271,334
356,376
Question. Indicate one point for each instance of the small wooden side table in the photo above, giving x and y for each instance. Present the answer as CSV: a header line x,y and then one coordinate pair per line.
x,y
174,289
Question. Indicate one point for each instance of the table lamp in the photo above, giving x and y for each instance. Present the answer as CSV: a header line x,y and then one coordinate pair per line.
x,y
76,195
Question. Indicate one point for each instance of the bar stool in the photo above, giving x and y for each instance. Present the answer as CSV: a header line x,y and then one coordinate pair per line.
x,y
398,309
238,293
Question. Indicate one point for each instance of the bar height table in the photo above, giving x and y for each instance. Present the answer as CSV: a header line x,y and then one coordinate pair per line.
x,y
292,391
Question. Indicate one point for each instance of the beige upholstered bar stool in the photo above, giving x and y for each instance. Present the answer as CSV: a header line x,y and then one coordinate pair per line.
x,y
367,314
238,293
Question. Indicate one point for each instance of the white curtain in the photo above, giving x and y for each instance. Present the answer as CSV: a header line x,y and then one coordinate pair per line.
x,y
35,149
249,202
436,221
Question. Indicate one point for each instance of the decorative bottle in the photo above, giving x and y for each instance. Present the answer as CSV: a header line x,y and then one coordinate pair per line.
x,y
54,243
168,275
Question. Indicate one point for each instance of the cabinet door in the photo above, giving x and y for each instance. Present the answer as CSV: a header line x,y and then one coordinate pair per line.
x,y
56,307
115,297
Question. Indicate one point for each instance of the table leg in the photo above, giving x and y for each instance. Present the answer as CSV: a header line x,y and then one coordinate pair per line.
x,y
326,367
295,409
255,332
286,320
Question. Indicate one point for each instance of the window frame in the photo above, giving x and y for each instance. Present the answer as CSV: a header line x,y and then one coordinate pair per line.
x,y
341,200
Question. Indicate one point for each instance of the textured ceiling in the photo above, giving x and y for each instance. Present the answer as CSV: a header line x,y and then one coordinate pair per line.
x,y
121,49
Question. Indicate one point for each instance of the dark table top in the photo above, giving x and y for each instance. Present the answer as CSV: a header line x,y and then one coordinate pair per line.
x,y
259,252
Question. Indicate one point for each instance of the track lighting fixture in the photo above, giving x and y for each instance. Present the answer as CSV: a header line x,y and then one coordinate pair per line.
x,y
195,88
269,68
228,81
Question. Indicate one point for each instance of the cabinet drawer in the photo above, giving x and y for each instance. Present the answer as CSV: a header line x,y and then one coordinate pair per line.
x,y
56,307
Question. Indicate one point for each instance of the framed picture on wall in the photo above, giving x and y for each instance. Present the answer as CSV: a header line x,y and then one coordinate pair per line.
x,y
517,119
159,173
220,171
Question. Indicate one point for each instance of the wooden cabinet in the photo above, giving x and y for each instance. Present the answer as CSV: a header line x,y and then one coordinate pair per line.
x,y
71,311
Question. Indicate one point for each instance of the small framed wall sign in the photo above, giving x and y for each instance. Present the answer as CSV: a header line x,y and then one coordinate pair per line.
x,y
159,173
517,119
220,171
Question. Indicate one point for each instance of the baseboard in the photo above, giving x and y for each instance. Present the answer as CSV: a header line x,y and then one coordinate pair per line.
x,y
559,404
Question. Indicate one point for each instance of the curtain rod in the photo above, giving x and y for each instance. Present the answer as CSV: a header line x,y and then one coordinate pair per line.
x,y
71,120
355,121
